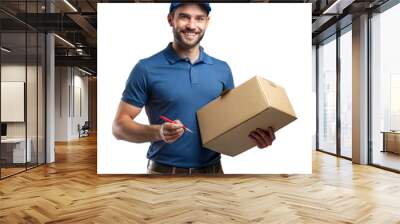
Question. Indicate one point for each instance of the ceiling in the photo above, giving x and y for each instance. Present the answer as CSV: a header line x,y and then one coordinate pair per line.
x,y
76,22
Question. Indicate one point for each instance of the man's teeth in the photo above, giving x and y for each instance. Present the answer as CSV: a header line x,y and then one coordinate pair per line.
x,y
189,34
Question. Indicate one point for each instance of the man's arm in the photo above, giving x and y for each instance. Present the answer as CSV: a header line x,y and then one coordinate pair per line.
x,y
125,128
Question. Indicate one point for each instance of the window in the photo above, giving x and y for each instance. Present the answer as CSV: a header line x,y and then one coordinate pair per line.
x,y
385,88
346,93
327,96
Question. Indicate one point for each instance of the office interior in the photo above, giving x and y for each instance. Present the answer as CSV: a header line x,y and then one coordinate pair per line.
x,y
48,81
370,77
49,94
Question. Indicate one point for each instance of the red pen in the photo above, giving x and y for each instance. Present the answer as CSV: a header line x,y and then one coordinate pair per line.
x,y
174,122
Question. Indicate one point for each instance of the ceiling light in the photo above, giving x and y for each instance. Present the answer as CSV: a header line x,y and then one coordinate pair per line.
x,y
84,71
70,5
338,6
5,50
64,40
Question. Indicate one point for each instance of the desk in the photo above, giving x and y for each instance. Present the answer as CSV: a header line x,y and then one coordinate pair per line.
x,y
391,141
13,150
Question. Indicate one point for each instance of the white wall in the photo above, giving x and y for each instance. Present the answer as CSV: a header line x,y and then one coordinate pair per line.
x,y
33,127
70,83
10,73
266,48
61,103
16,73
80,83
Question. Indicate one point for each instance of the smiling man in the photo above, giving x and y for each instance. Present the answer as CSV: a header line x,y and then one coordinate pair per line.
x,y
175,83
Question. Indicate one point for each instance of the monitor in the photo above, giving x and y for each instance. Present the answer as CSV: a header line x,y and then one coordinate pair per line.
x,y
3,129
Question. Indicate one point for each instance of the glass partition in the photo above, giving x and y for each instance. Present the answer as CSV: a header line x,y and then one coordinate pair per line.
x,y
13,104
22,77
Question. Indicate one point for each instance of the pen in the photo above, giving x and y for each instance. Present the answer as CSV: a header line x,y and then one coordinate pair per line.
x,y
174,122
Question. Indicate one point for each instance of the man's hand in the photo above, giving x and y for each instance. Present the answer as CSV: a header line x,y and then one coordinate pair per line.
x,y
170,132
263,138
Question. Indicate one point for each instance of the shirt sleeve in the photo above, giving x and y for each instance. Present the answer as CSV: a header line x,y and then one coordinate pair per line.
x,y
136,88
229,84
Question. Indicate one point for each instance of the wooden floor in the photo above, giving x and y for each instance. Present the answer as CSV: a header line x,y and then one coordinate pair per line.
x,y
70,191
5,172
8,171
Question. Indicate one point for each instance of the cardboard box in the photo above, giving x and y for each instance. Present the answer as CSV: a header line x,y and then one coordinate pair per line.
x,y
226,122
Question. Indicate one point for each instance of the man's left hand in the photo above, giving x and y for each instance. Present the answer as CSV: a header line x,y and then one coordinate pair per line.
x,y
263,137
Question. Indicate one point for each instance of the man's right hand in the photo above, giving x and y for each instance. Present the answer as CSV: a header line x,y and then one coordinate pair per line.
x,y
170,132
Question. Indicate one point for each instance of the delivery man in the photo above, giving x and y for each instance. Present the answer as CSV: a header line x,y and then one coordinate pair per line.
x,y
175,83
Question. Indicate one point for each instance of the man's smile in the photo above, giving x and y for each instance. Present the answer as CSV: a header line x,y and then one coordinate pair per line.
x,y
189,34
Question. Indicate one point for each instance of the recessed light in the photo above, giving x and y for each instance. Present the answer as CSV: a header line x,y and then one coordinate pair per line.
x,y
64,40
70,5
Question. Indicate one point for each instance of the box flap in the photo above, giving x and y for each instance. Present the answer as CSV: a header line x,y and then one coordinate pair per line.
x,y
276,96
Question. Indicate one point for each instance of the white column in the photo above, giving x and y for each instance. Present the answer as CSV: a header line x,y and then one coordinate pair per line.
x,y
50,93
360,90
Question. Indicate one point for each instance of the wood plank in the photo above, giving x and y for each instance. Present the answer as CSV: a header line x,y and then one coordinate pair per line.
x,y
70,191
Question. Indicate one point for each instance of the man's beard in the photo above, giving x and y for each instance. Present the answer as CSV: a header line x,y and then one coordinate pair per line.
x,y
181,41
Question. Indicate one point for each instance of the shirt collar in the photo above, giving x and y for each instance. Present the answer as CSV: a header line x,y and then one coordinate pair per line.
x,y
173,57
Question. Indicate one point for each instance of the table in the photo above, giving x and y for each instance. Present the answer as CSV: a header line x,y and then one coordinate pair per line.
x,y
13,150
391,141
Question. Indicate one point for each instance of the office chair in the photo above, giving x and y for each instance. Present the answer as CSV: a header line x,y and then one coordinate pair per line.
x,y
84,130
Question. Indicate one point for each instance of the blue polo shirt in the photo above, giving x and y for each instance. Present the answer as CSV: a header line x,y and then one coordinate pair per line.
x,y
168,85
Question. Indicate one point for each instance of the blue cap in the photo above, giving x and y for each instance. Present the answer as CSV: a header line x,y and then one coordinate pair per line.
x,y
175,4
